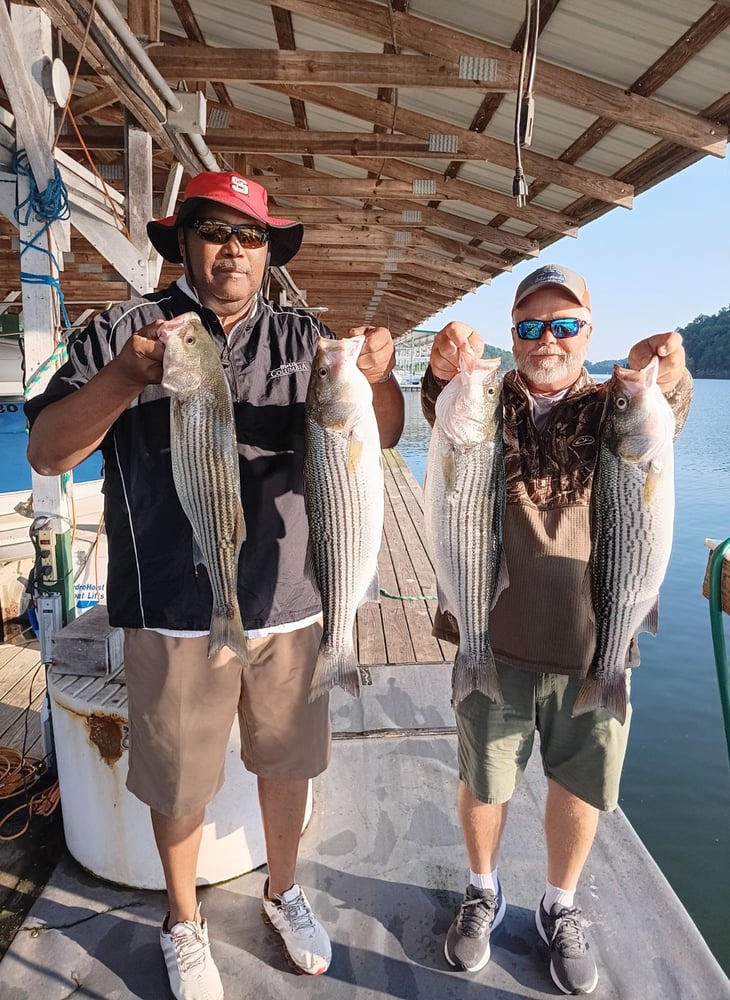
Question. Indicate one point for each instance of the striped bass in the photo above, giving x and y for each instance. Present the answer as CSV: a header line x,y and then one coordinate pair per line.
x,y
464,499
205,467
343,492
632,513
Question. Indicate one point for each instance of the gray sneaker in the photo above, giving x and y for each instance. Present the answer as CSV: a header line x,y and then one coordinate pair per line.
x,y
571,964
467,941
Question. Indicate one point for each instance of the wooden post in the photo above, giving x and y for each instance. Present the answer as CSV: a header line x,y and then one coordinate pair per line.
x,y
138,170
40,255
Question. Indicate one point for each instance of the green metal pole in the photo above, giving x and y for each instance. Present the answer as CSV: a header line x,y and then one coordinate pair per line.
x,y
718,633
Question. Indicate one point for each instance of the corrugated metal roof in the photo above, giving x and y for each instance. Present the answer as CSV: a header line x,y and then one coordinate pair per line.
x,y
620,93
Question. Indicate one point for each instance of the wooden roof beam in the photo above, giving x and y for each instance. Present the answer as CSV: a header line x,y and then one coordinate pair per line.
x,y
496,151
371,69
458,190
471,194
563,85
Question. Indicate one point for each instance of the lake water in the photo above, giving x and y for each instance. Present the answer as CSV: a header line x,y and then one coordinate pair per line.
x,y
14,468
676,781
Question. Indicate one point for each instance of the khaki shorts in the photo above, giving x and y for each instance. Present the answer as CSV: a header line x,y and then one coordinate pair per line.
x,y
182,707
584,755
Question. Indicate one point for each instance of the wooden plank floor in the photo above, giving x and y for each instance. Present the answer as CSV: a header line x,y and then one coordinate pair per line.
x,y
398,630
22,688
395,631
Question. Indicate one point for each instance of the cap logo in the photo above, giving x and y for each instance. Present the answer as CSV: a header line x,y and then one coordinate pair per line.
x,y
550,274
239,185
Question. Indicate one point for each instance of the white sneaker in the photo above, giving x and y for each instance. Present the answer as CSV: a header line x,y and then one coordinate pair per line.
x,y
306,942
190,966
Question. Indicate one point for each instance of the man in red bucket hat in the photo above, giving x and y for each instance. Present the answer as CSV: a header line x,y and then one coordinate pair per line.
x,y
240,194
181,703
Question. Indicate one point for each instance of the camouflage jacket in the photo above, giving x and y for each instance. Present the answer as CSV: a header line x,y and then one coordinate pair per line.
x,y
543,621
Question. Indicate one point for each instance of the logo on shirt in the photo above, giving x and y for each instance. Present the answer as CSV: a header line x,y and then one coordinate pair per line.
x,y
291,369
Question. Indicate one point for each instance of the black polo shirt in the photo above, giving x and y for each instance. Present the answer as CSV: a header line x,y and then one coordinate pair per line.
x,y
152,579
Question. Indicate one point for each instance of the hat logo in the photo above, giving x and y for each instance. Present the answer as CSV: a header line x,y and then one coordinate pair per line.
x,y
239,185
550,274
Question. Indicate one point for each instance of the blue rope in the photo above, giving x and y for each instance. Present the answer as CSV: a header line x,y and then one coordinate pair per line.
x,y
50,205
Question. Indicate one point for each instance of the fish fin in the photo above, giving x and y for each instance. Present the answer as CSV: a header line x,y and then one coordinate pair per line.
x,y
354,452
448,469
198,557
472,673
309,567
373,591
502,581
240,529
588,594
653,478
633,659
602,692
228,631
651,622
443,602
332,669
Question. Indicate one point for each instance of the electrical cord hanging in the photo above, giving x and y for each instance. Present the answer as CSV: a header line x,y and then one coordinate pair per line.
x,y
525,100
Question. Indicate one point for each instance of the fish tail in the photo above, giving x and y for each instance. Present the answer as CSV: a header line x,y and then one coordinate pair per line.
x,y
227,630
602,692
332,669
474,673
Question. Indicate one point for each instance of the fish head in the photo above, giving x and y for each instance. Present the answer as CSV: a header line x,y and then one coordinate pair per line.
x,y
469,409
337,388
190,357
639,421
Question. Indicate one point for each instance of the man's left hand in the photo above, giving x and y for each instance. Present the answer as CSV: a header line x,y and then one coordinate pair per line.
x,y
668,348
377,357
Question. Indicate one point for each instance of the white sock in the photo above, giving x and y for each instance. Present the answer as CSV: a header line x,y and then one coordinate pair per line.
x,y
481,881
553,895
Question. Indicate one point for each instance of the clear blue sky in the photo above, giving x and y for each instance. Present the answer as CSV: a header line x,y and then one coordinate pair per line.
x,y
650,268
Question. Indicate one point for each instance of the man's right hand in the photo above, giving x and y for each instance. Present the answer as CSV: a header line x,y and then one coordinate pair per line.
x,y
140,360
447,344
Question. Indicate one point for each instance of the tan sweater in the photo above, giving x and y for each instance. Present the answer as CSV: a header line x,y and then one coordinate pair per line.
x,y
543,620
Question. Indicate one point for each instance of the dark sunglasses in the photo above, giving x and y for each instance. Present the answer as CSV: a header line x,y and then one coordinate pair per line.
x,y
533,329
212,231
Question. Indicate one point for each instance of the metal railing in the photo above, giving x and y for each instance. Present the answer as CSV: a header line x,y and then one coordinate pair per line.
x,y
718,632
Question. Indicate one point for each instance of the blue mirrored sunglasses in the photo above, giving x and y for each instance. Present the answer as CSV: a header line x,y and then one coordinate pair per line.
x,y
533,329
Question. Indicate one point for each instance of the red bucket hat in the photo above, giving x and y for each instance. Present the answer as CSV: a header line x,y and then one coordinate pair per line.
x,y
231,189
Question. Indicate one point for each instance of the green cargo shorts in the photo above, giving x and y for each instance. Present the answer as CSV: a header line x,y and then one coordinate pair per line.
x,y
584,755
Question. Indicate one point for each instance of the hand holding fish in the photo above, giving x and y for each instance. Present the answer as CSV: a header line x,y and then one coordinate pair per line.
x,y
141,357
668,348
377,357
447,346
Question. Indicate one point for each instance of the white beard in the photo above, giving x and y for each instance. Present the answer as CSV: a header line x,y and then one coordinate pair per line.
x,y
544,369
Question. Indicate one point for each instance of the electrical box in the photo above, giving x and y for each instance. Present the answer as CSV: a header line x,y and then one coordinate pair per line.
x,y
191,119
50,621
47,557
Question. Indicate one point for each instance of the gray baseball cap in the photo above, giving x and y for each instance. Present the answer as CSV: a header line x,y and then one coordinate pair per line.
x,y
553,276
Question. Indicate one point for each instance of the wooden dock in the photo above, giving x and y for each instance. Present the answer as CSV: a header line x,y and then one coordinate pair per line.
x,y
395,631
22,689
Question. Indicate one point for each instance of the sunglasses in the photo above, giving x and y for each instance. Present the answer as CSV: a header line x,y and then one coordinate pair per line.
x,y
533,329
212,231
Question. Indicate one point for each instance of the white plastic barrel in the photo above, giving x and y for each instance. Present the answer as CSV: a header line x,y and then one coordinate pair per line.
x,y
107,829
